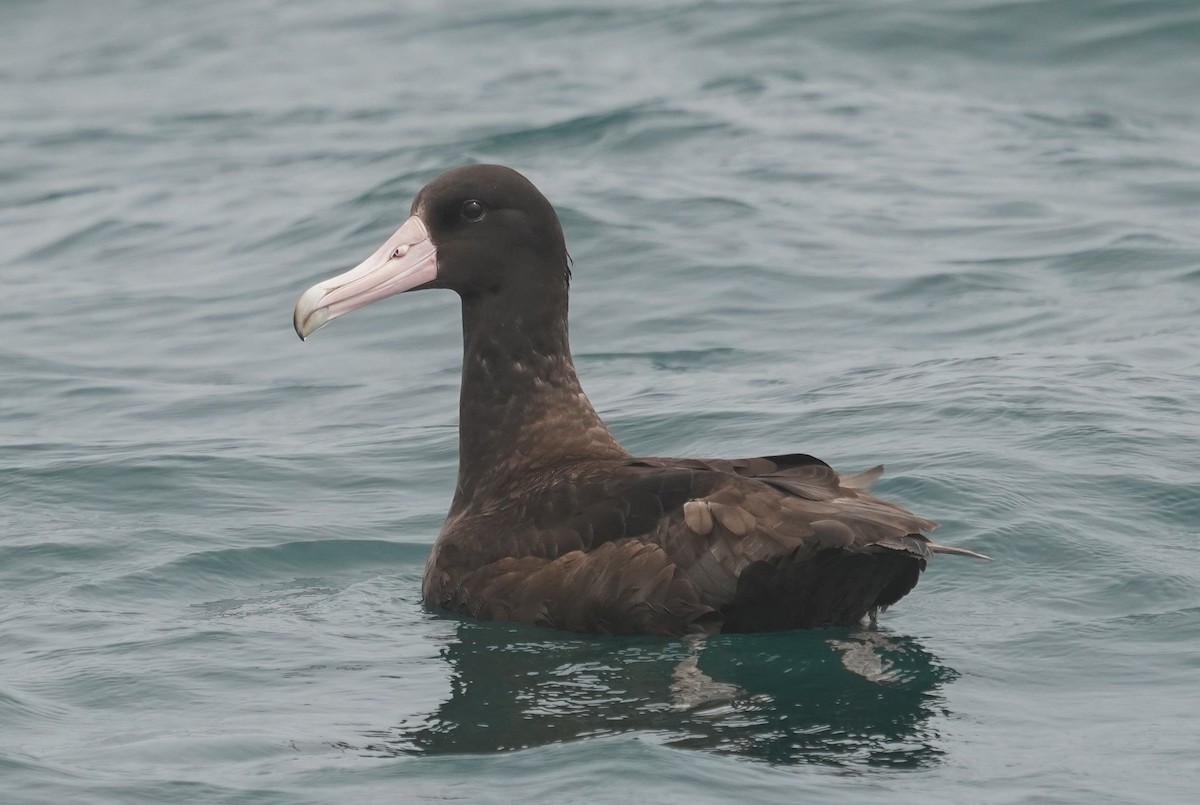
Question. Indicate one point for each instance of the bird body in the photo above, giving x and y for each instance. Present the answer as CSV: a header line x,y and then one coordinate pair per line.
x,y
553,522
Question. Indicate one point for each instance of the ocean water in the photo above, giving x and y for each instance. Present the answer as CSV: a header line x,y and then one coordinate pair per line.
x,y
958,238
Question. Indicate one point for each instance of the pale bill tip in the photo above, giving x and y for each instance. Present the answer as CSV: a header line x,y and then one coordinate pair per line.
x,y
308,317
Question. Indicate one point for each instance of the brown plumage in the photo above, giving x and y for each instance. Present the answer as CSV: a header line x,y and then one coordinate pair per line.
x,y
553,522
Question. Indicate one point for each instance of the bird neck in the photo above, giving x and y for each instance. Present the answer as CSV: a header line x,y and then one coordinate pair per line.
x,y
521,406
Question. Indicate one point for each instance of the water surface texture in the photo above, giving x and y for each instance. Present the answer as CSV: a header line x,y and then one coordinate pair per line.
x,y
959,238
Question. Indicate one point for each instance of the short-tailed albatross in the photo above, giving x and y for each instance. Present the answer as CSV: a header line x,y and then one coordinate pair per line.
x,y
553,522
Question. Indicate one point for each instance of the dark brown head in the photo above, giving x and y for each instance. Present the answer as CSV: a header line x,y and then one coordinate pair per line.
x,y
480,230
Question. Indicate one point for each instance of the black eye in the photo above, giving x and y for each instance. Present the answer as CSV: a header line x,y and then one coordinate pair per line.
x,y
472,210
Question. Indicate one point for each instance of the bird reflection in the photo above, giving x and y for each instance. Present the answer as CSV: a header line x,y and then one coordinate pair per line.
x,y
830,696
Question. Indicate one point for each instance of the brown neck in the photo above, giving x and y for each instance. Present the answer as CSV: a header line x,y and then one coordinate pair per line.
x,y
521,405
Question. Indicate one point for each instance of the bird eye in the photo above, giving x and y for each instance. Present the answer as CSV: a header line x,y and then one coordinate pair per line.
x,y
472,210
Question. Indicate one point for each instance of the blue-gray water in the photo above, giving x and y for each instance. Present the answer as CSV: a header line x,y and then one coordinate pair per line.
x,y
958,238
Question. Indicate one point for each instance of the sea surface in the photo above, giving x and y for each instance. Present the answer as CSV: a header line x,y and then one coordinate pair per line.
x,y
958,238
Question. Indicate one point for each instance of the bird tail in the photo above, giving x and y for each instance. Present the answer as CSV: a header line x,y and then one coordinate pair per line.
x,y
936,548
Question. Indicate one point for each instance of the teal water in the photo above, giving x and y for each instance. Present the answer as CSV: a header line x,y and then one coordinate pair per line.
x,y
959,238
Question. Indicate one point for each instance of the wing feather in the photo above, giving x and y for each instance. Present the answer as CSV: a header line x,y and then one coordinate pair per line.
x,y
661,545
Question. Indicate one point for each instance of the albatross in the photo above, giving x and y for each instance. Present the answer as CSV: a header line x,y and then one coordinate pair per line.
x,y
553,522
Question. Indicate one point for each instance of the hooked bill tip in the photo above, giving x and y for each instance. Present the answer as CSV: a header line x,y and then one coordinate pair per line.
x,y
309,316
